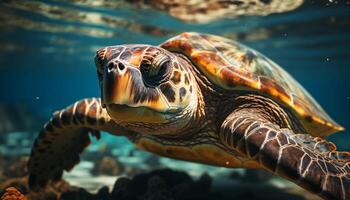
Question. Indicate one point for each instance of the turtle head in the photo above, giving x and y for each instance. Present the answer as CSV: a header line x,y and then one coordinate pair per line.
x,y
146,86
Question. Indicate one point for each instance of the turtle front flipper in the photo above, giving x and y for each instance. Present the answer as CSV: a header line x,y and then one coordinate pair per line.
x,y
311,162
64,137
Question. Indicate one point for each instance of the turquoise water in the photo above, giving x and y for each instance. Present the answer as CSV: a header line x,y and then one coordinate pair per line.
x,y
47,50
46,63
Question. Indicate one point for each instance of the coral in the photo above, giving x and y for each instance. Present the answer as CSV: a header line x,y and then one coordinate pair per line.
x,y
12,193
107,166
52,191
18,168
12,167
162,184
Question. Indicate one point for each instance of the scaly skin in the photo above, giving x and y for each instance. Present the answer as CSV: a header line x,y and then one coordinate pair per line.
x,y
164,104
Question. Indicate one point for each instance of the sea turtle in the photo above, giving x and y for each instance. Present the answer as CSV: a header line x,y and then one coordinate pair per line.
x,y
205,99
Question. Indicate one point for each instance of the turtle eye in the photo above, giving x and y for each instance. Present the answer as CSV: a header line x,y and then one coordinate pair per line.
x,y
156,72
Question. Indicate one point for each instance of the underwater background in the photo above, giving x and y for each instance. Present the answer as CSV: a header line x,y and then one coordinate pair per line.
x,y
47,53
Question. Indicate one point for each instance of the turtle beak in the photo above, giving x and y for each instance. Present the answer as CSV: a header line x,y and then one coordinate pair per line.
x,y
113,82
120,84
127,98
123,85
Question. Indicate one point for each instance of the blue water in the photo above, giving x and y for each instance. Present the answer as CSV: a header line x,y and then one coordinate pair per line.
x,y
47,49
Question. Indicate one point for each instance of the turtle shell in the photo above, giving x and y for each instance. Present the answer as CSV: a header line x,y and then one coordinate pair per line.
x,y
234,66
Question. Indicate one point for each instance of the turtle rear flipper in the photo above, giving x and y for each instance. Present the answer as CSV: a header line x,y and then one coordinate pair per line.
x,y
310,162
64,137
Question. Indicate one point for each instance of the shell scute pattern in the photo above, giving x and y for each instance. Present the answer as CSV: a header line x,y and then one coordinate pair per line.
x,y
234,66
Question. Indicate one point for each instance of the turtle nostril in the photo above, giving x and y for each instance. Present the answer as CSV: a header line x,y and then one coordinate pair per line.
x,y
110,66
113,66
121,66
